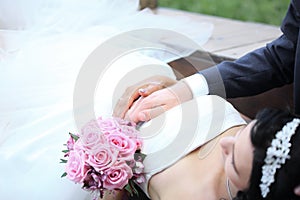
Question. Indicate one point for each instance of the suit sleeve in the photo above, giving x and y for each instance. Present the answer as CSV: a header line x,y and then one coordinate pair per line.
x,y
261,70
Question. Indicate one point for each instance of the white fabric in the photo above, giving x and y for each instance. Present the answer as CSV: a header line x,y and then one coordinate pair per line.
x,y
43,44
184,128
197,84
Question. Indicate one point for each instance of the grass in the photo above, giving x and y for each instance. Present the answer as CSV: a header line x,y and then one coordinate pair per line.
x,y
263,11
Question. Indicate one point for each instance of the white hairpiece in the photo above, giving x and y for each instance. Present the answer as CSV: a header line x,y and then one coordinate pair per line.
x,y
276,155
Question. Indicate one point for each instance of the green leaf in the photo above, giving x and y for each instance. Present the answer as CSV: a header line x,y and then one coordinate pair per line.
x,y
63,161
135,191
139,155
63,175
130,188
65,151
75,137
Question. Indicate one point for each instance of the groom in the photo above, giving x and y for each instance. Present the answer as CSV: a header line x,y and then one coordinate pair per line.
x,y
275,65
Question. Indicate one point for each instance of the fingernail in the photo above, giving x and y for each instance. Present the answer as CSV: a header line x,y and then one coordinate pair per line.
x,y
142,90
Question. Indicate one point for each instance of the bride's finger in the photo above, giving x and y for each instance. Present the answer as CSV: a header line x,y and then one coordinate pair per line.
x,y
124,104
131,94
131,114
149,105
146,115
149,114
135,106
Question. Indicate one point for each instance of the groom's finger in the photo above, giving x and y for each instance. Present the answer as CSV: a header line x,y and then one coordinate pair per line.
x,y
146,91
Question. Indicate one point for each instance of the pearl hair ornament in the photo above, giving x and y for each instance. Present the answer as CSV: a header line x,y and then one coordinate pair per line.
x,y
276,155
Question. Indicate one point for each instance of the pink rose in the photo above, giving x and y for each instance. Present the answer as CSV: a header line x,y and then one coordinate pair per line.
x,y
102,157
124,144
132,133
117,176
139,143
75,167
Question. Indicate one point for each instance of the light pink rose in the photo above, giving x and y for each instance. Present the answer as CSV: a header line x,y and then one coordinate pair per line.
x,y
139,167
108,125
91,127
76,168
140,179
78,146
70,143
124,144
129,130
102,157
117,176
124,122
92,181
91,139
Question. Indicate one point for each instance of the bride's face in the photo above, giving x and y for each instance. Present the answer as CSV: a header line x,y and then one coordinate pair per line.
x,y
238,157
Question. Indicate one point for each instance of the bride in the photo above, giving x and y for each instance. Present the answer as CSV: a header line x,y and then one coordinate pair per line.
x,y
236,161
43,45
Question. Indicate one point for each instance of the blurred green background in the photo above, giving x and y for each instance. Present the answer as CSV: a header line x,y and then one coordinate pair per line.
x,y
264,11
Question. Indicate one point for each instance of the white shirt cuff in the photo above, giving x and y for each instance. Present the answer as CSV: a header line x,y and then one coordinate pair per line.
x,y
197,83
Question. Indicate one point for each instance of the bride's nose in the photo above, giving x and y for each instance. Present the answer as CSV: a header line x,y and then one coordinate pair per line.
x,y
226,144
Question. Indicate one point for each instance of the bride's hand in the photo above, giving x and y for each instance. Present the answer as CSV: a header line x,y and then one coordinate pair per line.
x,y
146,108
141,89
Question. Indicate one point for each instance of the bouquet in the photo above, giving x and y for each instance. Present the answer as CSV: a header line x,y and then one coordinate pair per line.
x,y
105,156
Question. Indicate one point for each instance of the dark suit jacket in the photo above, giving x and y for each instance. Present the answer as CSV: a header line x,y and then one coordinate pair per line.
x,y
275,65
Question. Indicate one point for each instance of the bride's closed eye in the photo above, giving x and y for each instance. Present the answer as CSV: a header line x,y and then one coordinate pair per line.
x,y
233,161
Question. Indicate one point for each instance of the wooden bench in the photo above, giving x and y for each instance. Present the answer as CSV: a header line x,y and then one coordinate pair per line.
x,y
230,40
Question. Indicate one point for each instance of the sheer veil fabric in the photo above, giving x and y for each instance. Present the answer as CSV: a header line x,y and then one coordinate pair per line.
x,y
43,44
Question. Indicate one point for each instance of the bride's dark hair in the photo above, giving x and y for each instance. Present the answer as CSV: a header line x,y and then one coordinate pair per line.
x,y
269,122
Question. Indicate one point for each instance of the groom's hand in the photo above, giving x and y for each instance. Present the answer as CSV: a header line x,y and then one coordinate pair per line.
x,y
146,108
141,89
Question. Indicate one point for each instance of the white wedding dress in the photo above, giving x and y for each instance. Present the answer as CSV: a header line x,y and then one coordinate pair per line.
x,y
43,45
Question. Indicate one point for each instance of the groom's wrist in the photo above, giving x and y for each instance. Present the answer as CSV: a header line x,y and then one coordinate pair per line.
x,y
197,84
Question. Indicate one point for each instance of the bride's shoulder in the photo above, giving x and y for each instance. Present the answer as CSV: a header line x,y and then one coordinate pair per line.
x,y
232,131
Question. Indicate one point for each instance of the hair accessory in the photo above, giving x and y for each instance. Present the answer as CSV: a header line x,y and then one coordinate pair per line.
x,y
276,155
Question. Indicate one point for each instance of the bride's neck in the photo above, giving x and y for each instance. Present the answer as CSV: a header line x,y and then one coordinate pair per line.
x,y
224,189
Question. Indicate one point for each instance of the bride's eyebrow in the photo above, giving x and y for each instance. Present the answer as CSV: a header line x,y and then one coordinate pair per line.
x,y
233,161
